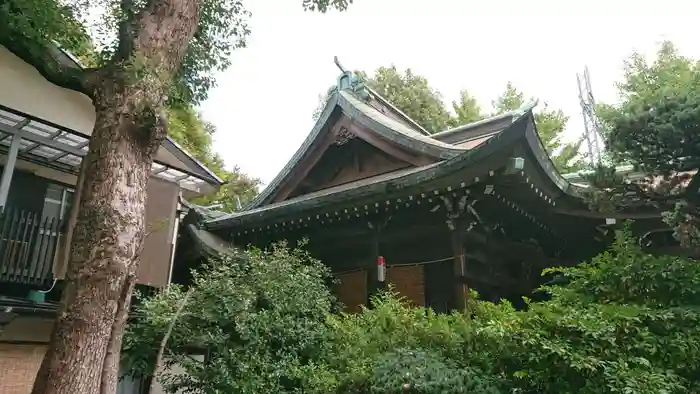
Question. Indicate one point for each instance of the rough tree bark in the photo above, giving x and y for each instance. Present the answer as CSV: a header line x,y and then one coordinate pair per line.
x,y
129,97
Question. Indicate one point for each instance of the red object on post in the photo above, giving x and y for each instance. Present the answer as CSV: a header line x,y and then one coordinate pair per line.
x,y
381,269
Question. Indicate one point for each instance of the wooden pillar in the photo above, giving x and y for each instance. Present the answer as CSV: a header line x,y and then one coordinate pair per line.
x,y
374,285
461,288
457,224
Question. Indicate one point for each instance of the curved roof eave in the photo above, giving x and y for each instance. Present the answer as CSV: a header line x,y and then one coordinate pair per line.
x,y
384,183
384,126
534,142
298,155
375,121
395,131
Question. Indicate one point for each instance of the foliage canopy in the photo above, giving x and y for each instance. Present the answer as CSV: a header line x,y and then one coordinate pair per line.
x,y
96,32
655,128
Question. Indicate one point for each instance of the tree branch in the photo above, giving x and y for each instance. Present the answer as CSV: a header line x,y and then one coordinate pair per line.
x,y
126,30
163,343
50,61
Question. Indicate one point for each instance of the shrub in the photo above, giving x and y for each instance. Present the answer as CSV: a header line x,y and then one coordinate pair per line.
x,y
626,322
259,316
420,372
371,351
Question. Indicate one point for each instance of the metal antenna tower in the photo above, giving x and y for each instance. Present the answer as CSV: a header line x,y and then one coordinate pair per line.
x,y
590,120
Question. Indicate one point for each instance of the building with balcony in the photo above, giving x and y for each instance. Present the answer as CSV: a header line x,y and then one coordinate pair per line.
x,y
44,134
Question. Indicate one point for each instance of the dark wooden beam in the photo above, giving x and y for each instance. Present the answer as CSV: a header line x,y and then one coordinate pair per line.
x,y
325,172
604,215
387,146
303,168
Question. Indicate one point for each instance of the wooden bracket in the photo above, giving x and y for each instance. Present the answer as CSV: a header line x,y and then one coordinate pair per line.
x,y
379,224
458,210
342,134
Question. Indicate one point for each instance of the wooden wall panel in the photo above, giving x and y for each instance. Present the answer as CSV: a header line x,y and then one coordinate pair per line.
x,y
161,207
352,290
371,164
409,281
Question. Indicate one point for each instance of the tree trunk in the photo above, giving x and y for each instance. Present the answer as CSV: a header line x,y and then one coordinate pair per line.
x,y
129,98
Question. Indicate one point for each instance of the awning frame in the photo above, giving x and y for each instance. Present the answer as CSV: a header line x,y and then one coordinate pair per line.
x,y
54,146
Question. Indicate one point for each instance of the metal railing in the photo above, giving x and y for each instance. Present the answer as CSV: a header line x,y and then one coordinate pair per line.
x,y
28,247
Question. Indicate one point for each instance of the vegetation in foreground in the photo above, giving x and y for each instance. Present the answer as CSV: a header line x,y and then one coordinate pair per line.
x,y
626,322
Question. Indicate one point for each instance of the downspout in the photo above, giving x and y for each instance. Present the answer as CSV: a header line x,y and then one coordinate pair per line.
x,y
173,243
62,263
6,178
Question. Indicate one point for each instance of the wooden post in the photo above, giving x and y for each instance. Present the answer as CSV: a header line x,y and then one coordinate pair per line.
x,y
374,285
456,222
459,265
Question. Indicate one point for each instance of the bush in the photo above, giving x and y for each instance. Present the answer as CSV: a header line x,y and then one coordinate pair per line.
x,y
259,316
371,351
626,322
416,371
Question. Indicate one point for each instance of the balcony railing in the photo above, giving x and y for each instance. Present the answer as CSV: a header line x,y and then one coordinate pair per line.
x,y
29,245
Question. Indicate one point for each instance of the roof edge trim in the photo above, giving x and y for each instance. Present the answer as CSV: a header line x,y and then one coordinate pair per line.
x,y
544,161
277,181
398,111
514,114
196,162
424,144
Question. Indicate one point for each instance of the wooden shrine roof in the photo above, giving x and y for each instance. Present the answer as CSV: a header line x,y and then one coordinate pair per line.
x,y
378,118
522,132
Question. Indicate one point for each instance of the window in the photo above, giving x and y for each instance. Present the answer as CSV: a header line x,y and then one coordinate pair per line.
x,y
57,202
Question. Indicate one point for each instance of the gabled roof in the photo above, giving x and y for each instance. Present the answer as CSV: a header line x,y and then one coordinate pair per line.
x,y
351,98
475,131
522,130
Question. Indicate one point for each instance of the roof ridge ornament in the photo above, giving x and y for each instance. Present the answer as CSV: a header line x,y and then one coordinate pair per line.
x,y
348,80
353,83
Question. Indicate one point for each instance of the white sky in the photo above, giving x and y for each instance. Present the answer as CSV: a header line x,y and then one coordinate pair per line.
x,y
264,101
